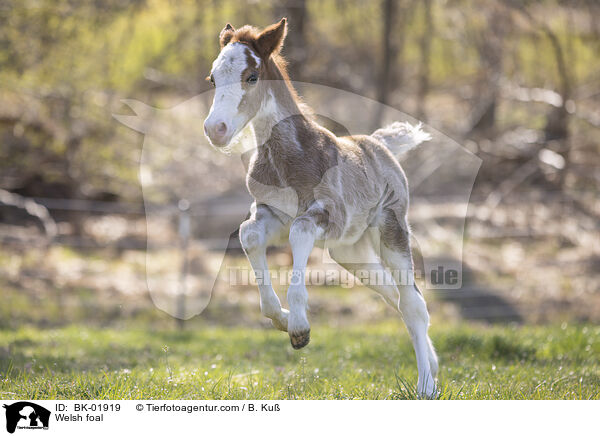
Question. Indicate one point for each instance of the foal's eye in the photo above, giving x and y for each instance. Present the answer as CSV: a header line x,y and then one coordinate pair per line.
x,y
212,80
252,78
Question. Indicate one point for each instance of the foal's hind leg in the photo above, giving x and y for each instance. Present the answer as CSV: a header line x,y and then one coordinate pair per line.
x,y
364,258
396,255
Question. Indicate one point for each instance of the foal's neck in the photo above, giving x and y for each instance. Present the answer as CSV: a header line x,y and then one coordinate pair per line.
x,y
279,103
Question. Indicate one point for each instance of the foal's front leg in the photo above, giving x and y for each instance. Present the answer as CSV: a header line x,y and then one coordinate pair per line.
x,y
304,231
255,234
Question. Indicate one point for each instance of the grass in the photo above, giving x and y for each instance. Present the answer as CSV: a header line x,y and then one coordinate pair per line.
x,y
360,362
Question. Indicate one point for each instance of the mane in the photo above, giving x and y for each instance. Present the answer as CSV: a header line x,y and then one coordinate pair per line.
x,y
248,35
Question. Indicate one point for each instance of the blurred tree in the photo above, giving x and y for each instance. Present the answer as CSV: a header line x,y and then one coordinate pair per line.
x,y
295,48
489,42
392,42
487,67
424,64
556,128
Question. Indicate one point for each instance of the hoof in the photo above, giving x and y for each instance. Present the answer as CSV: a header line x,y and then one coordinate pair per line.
x,y
434,395
300,339
431,392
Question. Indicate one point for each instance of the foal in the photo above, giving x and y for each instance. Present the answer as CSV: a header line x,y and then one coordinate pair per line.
x,y
315,187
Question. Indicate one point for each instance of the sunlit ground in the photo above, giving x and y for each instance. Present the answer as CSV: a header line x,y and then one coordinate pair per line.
x,y
370,361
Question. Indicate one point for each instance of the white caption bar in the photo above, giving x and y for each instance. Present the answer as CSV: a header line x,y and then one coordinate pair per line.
x,y
163,417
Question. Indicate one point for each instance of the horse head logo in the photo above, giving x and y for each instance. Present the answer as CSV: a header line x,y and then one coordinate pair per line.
x,y
195,195
25,414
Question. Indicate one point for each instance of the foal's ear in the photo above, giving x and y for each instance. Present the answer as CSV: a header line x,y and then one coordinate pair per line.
x,y
226,34
271,39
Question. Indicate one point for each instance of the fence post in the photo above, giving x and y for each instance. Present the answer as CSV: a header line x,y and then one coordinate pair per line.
x,y
184,238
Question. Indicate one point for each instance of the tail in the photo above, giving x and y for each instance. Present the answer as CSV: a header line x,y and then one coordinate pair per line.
x,y
401,137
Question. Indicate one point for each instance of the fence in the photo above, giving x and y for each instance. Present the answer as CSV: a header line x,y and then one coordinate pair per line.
x,y
475,301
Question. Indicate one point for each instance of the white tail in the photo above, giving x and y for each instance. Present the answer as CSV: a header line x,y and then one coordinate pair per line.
x,y
401,137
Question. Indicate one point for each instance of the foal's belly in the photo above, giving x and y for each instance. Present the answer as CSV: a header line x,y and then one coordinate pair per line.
x,y
346,241
355,226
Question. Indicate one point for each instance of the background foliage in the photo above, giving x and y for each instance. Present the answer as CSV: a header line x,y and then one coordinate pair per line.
x,y
515,82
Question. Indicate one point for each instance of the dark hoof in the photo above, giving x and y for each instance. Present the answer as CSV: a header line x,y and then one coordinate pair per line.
x,y
300,339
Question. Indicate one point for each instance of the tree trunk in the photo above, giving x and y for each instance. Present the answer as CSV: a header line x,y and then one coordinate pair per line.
x,y
425,46
490,47
392,44
295,47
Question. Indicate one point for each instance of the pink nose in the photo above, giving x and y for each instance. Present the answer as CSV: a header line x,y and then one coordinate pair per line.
x,y
221,129
216,132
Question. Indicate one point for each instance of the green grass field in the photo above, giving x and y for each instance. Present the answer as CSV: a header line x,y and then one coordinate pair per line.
x,y
361,362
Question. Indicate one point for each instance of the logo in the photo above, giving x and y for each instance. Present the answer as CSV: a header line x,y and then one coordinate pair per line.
x,y
202,194
26,415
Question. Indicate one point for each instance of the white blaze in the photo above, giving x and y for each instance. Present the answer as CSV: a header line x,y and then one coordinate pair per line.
x,y
227,71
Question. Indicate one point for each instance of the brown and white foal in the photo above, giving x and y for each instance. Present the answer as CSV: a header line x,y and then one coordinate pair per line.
x,y
315,187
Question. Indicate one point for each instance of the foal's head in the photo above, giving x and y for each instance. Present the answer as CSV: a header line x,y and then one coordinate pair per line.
x,y
241,74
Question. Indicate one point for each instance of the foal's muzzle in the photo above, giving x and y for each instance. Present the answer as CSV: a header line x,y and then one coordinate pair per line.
x,y
217,132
